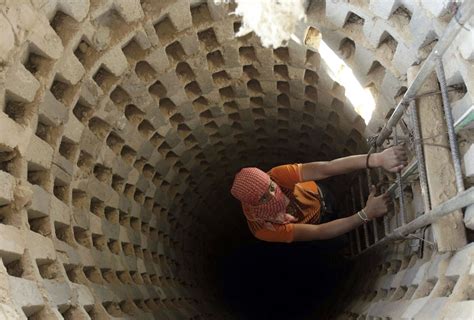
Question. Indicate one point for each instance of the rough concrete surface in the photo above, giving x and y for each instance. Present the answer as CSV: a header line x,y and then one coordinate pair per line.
x,y
122,123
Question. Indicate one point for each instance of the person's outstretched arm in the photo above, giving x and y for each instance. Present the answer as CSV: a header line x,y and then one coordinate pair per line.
x,y
376,207
392,159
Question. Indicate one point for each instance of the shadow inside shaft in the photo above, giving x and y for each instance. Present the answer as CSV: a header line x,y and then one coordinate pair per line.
x,y
282,281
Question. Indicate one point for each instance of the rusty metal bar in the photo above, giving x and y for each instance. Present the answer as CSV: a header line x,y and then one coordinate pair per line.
x,y
461,200
352,244
425,192
362,205
382,189
351,238
374,221
354,207
401,195
450,123
464,12
410,172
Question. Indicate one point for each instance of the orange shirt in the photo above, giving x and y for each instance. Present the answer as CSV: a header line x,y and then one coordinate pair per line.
x,y
304,204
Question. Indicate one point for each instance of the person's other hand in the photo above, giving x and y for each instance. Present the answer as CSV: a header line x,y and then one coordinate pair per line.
x,y
377,206
393,159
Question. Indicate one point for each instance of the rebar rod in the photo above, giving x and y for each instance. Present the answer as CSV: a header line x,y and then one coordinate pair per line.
x,y
374,220
410,171
401,195
349,212
354,207
420,157
362,205
459,201
465,11
351,243
450,123
382,190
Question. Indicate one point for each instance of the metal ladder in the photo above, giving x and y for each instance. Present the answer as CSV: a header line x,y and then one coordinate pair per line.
x,y
378,233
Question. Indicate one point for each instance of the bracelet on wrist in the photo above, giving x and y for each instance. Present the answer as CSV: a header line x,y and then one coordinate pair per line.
x,y
363,216
367,161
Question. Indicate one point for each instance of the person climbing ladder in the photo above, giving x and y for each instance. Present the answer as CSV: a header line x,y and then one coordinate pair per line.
x,y
288,203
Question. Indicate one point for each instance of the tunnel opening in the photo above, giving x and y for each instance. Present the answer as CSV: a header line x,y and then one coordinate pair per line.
x,y
248,273
291,280
258,280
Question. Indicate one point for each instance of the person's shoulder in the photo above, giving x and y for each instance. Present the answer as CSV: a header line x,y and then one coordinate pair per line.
x,y
286,173
285,168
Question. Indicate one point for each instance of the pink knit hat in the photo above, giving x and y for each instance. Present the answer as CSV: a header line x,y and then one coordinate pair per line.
x,y
250,184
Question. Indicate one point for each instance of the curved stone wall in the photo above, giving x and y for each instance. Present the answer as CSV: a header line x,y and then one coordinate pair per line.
x,y
123,123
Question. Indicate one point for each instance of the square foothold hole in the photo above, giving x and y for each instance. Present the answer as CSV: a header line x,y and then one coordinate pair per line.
x,y
128,154
63,232
85,161
99,127
167,106
82,112
114,142
184,72
111,214
82,237
79,199
9,160
119,95
16,110
114,246
36,64
104,79
68,149
165,29
200,14
41,225
99,242
97,207
93,274
60,90
48,269
133,51
117,183
46,133
215,60
157,89
38,175
124,219
208,38
61,190
15,268
102,173
175,52
83,51
145,71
